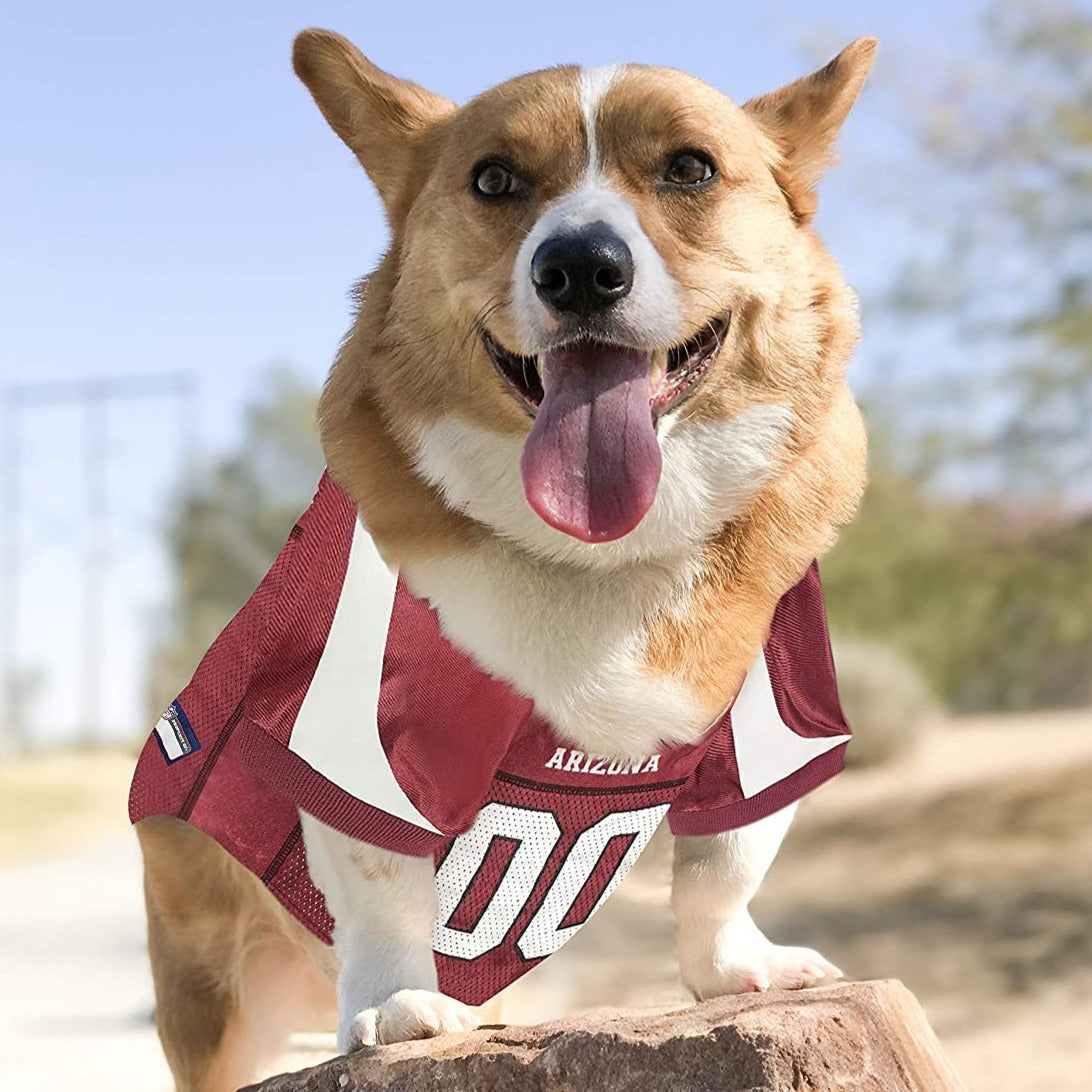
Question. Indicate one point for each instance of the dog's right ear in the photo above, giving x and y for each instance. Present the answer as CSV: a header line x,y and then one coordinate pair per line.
x,y
804,117
380,117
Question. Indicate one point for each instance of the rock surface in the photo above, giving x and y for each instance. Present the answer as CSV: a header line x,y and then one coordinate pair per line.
x,y
853,1037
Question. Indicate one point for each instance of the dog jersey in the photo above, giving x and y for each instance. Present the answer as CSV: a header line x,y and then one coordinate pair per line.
x,y
333,691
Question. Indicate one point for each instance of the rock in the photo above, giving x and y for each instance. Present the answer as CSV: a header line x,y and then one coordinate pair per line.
x,y
852,1037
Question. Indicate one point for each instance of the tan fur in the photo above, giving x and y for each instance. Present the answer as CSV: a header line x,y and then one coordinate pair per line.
x,y
795,347
803,119
393,368
752,563
400,363
234,972
366,107
223,950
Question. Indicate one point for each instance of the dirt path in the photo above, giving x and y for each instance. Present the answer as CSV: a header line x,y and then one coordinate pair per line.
x,y
76,1006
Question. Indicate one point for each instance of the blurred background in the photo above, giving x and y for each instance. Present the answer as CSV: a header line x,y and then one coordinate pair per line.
x,y
178,237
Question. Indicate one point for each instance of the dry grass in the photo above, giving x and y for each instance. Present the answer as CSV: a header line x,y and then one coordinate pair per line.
x,y
60,800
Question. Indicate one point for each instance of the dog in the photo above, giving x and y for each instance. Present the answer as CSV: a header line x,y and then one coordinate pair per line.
x,y
586,438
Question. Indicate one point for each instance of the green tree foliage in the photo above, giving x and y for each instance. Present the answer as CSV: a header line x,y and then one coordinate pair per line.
x,y
1005,157
230,521
994,605
978,563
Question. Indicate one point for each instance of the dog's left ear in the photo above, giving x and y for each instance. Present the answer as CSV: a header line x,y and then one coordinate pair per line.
x,y
803,119
382,118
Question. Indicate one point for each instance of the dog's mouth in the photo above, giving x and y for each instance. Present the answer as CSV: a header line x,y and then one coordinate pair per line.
x,y
591,462
674,374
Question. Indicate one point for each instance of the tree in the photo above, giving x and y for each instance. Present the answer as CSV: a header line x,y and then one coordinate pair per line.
x,y
1005,157
973,549
229,523
996,611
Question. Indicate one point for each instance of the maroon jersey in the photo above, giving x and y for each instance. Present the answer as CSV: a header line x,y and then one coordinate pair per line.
x,y
334,692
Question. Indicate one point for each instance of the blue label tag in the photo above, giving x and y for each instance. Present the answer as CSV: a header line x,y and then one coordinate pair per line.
x,y
174,735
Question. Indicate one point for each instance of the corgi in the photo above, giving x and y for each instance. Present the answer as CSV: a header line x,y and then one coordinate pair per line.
x,y
586,438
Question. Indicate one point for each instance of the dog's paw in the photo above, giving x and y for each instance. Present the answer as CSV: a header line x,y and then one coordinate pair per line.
x,y
754,969
408,1014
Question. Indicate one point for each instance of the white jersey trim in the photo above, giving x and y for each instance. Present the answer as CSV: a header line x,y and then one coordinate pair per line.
x,y
337,730
767,749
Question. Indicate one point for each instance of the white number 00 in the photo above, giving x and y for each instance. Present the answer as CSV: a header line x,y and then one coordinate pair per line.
x,y
537,834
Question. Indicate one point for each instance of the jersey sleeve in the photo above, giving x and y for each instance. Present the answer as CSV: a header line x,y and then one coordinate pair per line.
x,y
361,712
784,734
332,691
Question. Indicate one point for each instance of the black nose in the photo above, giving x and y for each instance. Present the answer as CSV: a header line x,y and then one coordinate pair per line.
x,y
583,271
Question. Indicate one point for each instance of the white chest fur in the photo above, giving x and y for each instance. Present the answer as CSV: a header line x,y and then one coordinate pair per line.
x,y
565,621
572,640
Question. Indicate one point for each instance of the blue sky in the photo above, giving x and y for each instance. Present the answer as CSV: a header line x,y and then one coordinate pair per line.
x,y
173,202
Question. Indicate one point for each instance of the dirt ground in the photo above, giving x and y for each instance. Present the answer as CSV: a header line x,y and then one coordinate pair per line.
x,y
965,869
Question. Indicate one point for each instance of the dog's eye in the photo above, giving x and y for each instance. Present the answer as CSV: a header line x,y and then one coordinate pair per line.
x,y
492,180
689,169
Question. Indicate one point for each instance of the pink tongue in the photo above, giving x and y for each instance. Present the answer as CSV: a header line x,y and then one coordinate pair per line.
x,y
591,463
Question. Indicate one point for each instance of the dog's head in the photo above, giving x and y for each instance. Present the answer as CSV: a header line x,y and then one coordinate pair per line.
x,y
604,323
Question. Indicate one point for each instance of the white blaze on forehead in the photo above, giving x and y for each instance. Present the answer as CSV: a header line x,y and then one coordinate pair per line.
x,y
650,316
593,84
